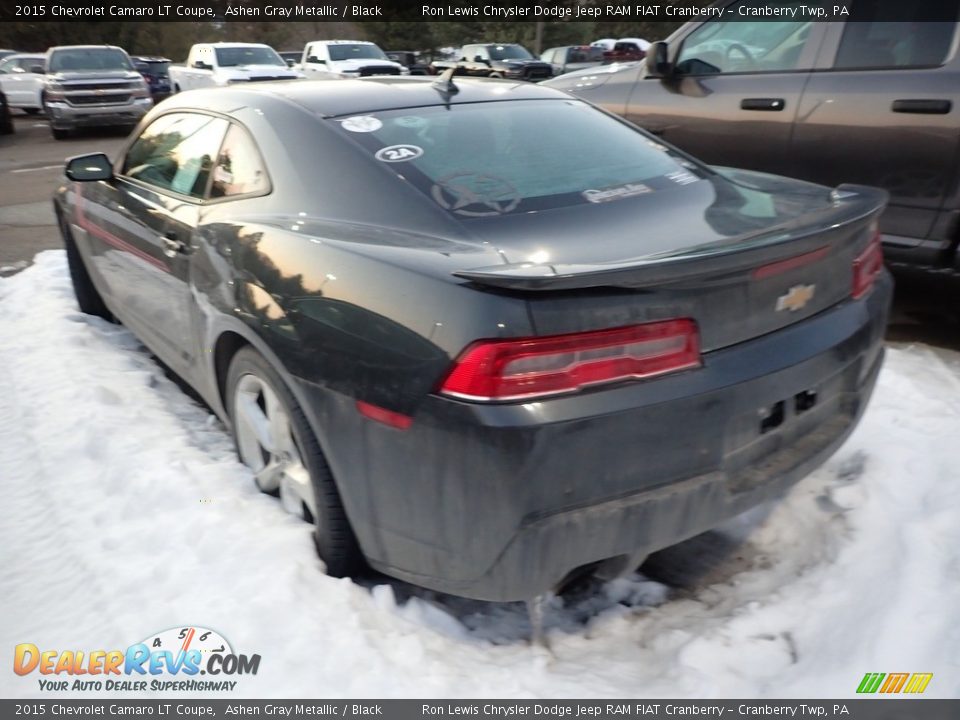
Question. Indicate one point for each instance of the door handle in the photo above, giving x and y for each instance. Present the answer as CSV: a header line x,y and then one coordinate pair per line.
x,y
922,107
767,104
173,246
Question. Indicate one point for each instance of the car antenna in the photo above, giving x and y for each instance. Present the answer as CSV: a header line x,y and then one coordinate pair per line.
x,y
444,84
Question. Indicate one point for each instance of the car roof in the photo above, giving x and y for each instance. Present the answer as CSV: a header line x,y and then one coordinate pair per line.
x,y
85,47
20,56
335,97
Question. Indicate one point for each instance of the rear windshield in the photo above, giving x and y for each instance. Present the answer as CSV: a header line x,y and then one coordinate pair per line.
x,y
235,56
153,67
362,51
485,159
79,59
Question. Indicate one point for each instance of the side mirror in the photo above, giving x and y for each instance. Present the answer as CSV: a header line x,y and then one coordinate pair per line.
x,y
477,58
89,168
37,69
201,65
658,61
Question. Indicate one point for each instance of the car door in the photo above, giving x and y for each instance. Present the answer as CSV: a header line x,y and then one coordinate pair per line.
x,y
144,235
883,110
736,90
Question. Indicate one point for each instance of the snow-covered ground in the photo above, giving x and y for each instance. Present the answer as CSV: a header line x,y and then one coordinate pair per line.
x,y
125,512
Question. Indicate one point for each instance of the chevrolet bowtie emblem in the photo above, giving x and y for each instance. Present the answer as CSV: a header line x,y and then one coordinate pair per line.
x,y
795,298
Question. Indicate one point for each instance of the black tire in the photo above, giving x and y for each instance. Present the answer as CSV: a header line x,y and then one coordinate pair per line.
x,y
88,297
32,111
495,76
333,536
6,124
59,133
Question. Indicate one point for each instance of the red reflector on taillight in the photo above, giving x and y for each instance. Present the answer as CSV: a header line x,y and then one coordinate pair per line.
x,y
387,417
525,368
867,266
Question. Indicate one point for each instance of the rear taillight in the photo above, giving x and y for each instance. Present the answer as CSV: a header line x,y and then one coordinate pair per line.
x,y
867,266
526,368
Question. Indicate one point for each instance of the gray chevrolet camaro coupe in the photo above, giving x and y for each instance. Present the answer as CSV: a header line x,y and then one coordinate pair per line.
x,y
484,336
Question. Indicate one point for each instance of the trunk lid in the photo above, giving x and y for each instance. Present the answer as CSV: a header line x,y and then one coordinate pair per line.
x,y
743,254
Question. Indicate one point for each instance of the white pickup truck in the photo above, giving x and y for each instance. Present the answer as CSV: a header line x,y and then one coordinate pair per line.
x,y
218,64
347,58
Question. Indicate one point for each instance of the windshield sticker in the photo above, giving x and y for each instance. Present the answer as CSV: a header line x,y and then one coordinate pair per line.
x,y
475,195
362,124
616,193
399,153
682,177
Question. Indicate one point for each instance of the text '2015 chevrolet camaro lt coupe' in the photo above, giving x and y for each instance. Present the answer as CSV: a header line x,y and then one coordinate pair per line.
x,y
483,335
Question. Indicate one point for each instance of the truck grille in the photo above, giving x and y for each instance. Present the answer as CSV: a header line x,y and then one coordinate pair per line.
x,y
537,72
100,86
267,78
106,99
379,70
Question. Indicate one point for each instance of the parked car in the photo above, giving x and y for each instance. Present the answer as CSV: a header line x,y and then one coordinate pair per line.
x,y
21,79
6,119
219,64
92,86
347,58
503,60
626,50
480,351
572,57
156,71
410,60
858,101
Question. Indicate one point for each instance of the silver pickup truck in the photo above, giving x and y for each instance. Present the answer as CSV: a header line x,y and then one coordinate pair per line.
x,y
92,85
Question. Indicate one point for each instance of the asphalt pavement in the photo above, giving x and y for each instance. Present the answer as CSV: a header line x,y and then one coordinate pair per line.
x,y
31,168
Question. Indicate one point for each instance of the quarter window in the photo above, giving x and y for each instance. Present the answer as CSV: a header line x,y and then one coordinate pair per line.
x,y
239,169
870,41
745,46
176,152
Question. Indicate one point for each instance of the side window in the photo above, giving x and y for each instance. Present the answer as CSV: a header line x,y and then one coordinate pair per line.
x,y
7,66
175,152
870,41
745,46
239,169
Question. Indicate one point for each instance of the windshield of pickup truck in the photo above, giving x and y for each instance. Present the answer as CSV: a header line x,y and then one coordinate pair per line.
x,y
82,59
236,56
509,52
360,51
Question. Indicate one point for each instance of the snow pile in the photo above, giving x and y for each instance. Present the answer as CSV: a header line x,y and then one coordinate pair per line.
x,y
125,512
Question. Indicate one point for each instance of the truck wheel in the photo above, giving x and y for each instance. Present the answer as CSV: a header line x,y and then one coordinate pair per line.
x,y
6,125
59,133
31,111
495,75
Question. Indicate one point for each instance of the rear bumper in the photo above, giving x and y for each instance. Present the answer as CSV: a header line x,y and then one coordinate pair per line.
x,y
501,502
64,116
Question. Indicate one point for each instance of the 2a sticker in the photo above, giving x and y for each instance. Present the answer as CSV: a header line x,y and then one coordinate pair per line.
x,y
399,153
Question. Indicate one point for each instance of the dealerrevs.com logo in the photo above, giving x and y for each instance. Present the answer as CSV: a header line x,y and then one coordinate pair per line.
x,y
171,660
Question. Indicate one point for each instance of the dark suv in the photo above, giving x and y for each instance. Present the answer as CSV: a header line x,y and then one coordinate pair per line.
x,y
863,101
503,60
156,71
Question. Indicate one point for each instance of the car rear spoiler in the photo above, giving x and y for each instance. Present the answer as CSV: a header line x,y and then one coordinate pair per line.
x,y
850,204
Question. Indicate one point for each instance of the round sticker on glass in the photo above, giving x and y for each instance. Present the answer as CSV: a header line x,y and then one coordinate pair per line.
x,y
362,123
399,153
